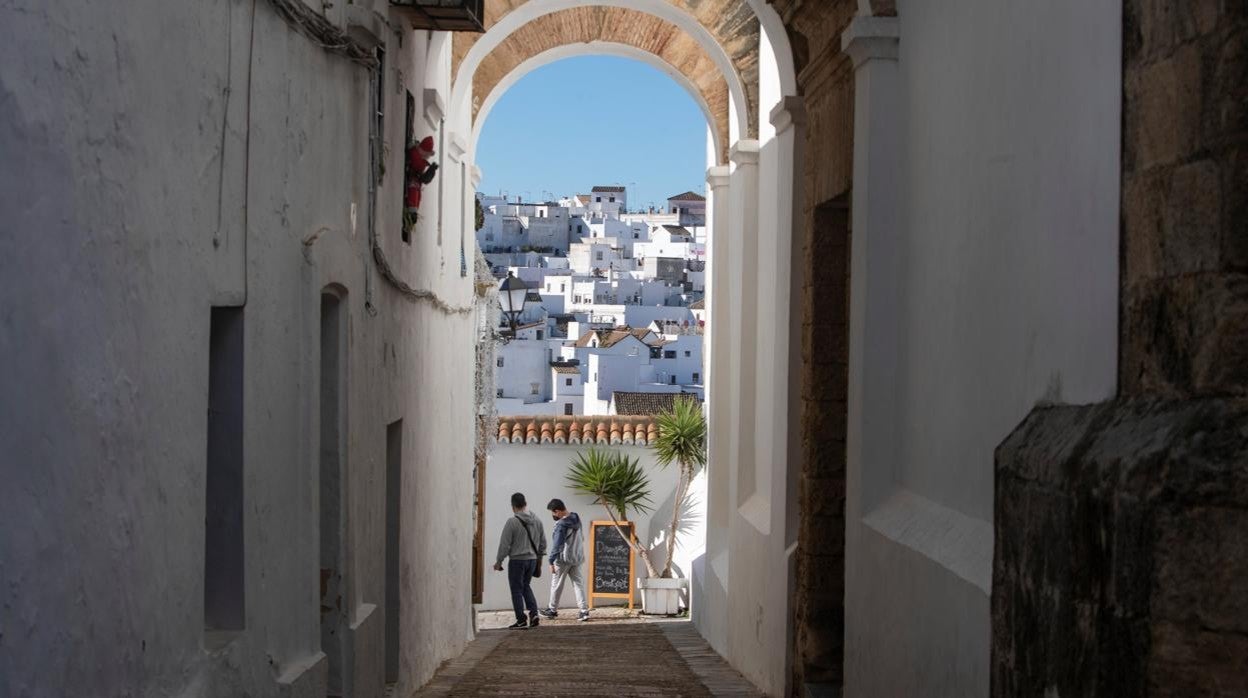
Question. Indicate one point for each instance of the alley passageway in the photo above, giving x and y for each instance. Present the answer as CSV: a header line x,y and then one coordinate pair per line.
x,y
599,659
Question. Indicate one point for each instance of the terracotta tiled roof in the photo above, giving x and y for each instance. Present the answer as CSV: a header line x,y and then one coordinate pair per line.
x,y
568,369
608,189
687,196
577,431
646,403
699,304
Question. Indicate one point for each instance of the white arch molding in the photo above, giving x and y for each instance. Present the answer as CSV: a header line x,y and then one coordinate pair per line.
x,y
774,32
461,93
596,48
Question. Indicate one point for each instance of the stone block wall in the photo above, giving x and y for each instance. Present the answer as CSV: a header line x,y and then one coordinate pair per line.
x,y
1122,551
1184,200
826,80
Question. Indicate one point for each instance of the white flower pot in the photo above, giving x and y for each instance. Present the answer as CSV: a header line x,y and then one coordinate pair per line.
x,y
661,596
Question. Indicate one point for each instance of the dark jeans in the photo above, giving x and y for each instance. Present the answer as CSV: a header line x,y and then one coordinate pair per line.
x,y
519,577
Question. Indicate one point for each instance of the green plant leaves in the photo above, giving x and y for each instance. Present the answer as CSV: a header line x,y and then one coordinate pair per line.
x,y
682,435
612,479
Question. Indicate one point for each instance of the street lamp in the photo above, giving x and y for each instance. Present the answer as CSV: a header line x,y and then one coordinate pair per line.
x,y
512,295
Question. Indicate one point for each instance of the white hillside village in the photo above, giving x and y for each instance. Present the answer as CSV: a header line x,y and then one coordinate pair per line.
x,y
613,320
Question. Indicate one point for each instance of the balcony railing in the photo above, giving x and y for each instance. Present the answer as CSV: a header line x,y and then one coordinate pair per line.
x,y
444,15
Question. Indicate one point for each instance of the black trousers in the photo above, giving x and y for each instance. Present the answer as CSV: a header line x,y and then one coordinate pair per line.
x,y
519,578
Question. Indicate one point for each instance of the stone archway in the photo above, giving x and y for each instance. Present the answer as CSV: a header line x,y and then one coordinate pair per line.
x,y
734,56
729,38
579,32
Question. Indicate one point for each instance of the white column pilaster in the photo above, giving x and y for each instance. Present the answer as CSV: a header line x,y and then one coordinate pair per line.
x,y
719,504
780,336
719,322
742,301
875,263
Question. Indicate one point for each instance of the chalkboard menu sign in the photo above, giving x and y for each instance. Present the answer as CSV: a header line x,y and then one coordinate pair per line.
x,y
610,561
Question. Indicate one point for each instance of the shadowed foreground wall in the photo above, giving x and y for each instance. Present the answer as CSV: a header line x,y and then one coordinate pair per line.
x,y
160,159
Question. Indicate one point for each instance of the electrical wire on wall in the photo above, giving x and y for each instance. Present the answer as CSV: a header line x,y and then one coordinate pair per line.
x,y
325,34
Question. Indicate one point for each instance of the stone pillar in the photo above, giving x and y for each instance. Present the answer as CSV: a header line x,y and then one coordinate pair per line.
x,y
1122,528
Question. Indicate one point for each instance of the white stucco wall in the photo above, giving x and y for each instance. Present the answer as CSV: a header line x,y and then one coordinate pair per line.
x,y
115,181
1006,296
539,472
524,364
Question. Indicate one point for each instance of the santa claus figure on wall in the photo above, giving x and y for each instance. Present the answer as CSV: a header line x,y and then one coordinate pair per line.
x,y
419,172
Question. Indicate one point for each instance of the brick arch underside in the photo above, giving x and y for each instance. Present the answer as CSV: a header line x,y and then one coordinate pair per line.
x,y
584,25
732,23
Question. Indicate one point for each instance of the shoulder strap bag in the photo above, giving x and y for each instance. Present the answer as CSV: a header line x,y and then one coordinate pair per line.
x,y
537,569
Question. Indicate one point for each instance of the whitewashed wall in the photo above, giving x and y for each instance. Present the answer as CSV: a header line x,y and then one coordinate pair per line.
x,y
1005,284
137,192
539,471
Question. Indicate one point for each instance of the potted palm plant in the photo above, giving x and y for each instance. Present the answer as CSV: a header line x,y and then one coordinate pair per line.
x,y
619,484
682,443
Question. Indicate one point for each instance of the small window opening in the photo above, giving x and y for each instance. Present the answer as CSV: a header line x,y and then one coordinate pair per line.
x,y
224,578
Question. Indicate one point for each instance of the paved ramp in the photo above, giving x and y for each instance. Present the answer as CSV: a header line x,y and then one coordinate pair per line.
x,y
593,660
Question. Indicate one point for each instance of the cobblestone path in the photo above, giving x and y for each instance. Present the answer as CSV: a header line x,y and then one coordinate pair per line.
x,y
604,660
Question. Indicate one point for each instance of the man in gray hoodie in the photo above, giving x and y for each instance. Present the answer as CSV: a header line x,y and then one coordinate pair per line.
x,y
524,543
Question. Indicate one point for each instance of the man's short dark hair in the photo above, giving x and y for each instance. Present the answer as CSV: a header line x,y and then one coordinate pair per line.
x,y
556,505
517,501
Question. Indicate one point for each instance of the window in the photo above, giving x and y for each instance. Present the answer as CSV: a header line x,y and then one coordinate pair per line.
x,y
563,287
567,381
599,199
333,389
669,354
498,393
636,236
533,388
697,378
223,516
567,408
394,499
611,200
598,256
687,354
500,362
539,336
673,380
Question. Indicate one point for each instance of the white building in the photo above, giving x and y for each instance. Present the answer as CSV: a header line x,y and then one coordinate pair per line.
x,y
690,207
609,201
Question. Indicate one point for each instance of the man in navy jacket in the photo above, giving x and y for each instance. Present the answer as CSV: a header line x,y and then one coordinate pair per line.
x,y
567,552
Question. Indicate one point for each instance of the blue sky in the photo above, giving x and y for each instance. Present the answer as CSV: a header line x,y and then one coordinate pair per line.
x,y
541,135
